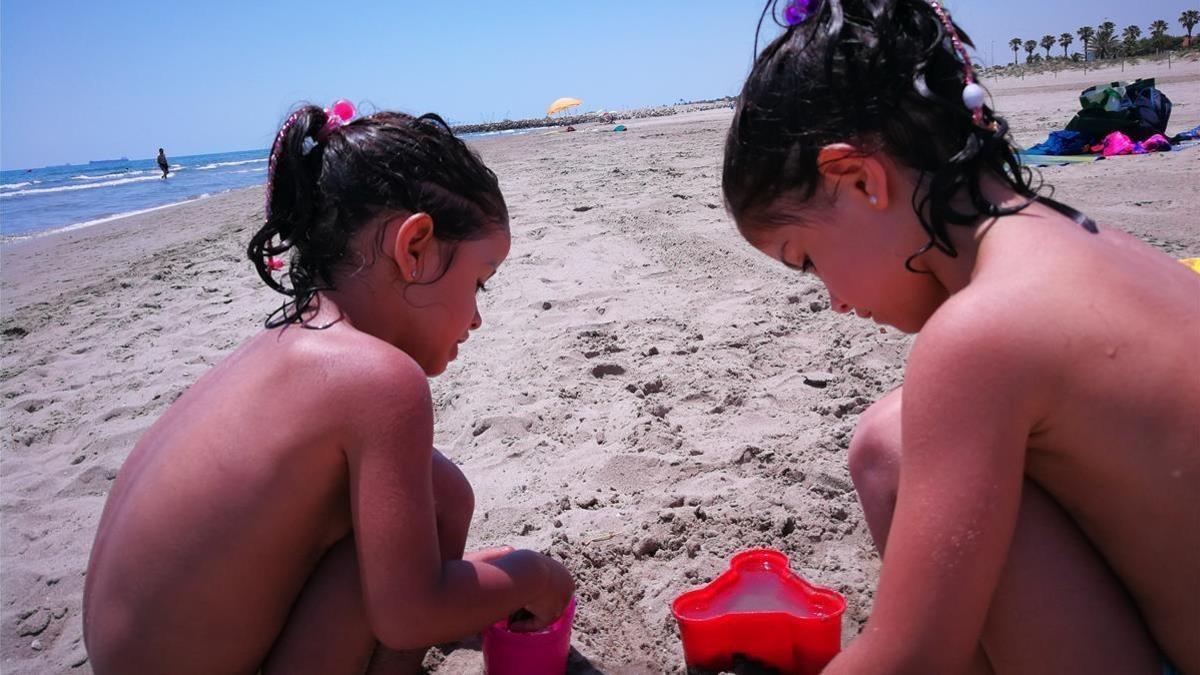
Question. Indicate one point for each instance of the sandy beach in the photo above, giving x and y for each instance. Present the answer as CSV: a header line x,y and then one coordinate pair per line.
x,y
648,395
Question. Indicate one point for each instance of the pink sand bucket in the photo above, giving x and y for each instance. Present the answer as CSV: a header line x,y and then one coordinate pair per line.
x,y
544,652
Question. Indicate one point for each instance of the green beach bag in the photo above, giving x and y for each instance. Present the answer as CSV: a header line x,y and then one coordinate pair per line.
x,y
1137,109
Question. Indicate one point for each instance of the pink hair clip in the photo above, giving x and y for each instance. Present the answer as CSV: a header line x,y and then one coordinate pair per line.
x,y
338,114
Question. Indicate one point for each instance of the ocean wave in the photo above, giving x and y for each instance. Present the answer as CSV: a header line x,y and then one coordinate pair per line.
x,y
218,165
66,188
14,186
102,176
258,170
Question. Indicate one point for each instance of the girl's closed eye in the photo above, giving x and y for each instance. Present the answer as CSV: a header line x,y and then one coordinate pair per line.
x,y
806,266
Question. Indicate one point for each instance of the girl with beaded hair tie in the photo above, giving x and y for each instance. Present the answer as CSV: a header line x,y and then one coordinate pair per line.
x,y
1032,487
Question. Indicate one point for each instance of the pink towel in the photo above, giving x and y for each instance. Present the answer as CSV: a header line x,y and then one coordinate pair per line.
x,y
1157,143
1117,143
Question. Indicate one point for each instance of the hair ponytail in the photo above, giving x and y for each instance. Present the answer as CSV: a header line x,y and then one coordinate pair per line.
x,y
293,196
325,184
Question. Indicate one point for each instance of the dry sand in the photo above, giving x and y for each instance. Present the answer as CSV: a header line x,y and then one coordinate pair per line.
x,y
645,399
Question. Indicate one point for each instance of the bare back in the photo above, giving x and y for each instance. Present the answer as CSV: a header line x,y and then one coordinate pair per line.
x,y
1119,447
223,509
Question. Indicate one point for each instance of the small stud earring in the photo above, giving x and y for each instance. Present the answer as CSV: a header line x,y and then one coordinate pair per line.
x,y
873,199
414,274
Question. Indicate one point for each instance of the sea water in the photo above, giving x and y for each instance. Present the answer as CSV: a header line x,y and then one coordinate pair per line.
x,y
36,201
71,196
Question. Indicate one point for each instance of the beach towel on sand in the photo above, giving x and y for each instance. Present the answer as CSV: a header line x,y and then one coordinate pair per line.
x,y
1056,160
1062,143
1118,143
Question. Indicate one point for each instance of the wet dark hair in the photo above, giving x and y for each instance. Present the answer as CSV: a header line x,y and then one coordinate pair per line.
x,y
322,193
881,75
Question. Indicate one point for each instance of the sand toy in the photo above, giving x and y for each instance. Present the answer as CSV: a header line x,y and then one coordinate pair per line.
x,y
543,652
761,612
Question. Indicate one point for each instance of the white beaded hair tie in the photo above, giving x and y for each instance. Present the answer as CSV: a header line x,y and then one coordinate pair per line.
x,y
973,95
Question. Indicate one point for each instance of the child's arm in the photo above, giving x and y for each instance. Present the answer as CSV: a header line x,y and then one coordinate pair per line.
x,y
413,597
970,396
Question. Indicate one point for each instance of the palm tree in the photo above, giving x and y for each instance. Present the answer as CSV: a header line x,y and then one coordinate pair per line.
x,y
1157,30
1106,41
1188,20
1065,41
1015,45
1086,33
1047,43
1131,34
1030,47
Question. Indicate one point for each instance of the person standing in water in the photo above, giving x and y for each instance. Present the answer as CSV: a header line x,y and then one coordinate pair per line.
x,y
162,162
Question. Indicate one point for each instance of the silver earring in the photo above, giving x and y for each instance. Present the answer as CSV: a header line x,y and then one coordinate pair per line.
x,y
414,274
873,199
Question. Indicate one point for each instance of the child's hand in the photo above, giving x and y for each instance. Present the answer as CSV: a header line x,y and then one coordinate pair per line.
x,y
488,554
547,606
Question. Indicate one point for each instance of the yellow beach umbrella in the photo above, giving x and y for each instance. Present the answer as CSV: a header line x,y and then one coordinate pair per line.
x,y
562,104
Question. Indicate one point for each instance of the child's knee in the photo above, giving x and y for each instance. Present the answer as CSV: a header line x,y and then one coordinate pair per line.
x,y
874,453
451,489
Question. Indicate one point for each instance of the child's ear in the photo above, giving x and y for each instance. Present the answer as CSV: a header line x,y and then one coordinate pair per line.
x,y
411,244
847,167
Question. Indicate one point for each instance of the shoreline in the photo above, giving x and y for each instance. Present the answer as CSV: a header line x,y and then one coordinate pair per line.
x,y
12,240
61,263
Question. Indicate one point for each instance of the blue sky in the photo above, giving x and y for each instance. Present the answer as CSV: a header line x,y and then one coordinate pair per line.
x,y
93,80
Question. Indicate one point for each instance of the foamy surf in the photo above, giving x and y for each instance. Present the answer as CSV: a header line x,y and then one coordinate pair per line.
x,y
217,165
70,188
14,186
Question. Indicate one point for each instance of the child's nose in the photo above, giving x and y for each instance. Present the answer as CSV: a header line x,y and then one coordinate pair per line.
x,y
477,321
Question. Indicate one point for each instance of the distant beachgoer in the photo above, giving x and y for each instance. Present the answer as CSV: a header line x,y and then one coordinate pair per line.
x,y
162,162
289,513
1032,489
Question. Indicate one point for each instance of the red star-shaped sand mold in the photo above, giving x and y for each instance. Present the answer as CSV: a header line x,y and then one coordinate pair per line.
x,y
761,612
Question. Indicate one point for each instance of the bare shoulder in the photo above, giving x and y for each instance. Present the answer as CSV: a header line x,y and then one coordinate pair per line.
x,y
362,380
1004,325
997,342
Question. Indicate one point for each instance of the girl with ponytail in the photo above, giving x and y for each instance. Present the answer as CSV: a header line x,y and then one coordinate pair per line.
x,y
289,512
